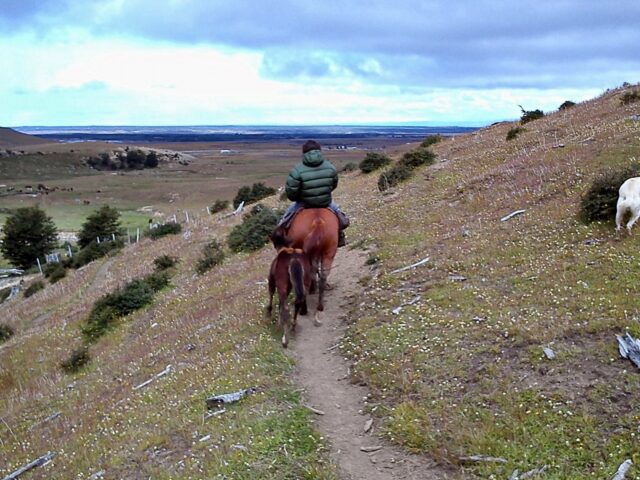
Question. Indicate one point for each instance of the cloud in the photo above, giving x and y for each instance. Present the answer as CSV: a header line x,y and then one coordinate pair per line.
x,y
485,43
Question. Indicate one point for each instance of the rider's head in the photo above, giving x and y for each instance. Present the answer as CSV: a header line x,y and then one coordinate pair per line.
x,y
310,145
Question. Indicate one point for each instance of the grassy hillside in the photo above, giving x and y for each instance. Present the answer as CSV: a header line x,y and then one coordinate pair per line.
x,y
459,370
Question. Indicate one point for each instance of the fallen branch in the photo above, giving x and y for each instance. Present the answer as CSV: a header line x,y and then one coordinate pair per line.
x,y
217,413
218,400
417,264
483,458
629,348
622,470
36,463
511,215
48,419
314,410
161,374
370,449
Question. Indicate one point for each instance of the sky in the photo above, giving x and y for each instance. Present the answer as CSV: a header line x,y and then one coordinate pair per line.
x,y
304,62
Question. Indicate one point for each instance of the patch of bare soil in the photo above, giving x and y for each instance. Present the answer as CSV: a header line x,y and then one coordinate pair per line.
x,y
325,377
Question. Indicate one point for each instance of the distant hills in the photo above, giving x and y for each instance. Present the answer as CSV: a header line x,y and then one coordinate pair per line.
x,y
9,138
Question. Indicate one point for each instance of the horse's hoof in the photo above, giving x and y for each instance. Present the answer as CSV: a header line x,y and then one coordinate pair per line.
x,y
320,308
285,343
316,320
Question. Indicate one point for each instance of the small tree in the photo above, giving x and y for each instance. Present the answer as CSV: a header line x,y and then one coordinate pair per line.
x,y
253,232
567,104
530,115
28,233
152,160
103,223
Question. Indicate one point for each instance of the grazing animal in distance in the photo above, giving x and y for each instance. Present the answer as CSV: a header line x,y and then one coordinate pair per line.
x,y
290,270
628,201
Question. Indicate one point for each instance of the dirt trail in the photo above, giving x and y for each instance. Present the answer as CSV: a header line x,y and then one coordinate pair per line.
x,y
324,374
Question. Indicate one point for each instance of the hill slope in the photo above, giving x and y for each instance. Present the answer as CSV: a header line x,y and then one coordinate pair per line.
x,y
10,138
451,351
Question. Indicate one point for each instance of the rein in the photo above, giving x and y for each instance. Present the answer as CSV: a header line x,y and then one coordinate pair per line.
x,y
289,250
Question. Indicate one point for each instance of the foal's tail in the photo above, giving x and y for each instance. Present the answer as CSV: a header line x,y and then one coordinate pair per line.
x,y
296,274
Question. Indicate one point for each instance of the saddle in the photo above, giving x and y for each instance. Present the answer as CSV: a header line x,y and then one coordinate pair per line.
x,y
285,223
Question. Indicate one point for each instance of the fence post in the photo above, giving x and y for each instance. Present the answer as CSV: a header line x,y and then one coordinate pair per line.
x,y
113,236
186,215
98,239
138,235
39,266
70,252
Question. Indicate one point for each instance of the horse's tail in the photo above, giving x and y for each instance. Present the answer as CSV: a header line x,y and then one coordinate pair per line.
x,y
314,238
296,274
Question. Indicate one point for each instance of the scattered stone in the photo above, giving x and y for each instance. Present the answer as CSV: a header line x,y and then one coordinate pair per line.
x,y
205,438
368,425
466,232
189,347
457,278
371,449
560,145
240,447
97,475
550,354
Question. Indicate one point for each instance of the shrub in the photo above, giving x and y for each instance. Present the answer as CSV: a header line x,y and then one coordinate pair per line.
x,y
157,280
431,140
219,205
395,175
212,255
283,196
566,105
169,228
417,158
599,202
254,230
55,272
373,161
103,223
28,234
165,262
6,332
514,132
4,293
33,288
151,161
630,97
99,322
94,251
530,115
252,194
78,359
349,167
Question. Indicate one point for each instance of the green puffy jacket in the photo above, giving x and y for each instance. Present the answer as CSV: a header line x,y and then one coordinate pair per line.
x,y
312,181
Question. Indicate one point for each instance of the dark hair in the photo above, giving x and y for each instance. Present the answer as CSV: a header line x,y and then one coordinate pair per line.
x,y
310,145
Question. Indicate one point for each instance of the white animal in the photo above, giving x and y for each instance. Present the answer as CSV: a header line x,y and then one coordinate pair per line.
x,y
628,201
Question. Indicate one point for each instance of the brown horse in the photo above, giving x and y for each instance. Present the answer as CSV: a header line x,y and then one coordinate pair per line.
x,y
290,269
315,231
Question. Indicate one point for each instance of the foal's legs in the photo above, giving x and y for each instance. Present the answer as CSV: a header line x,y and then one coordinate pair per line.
x,y
635,214
272,288
283,319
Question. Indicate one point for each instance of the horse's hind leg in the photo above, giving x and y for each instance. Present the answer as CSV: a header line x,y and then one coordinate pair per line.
x,y
324,274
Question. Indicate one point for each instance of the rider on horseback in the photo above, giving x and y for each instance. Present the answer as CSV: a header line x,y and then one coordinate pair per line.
x,y
310,184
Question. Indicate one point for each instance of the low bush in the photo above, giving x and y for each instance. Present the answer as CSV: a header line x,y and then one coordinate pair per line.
x,y
283,196
395,175
566,105
373,161
127,299
169,228
417,158
599,202
33,288
349,167
212,255
630,97
4,294
431,140
55,271
6,332
219,205
165,262
78,359
530,115
93,251
514,132
252,194
253,232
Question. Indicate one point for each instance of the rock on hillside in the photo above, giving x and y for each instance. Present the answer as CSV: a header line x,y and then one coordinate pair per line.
x,y
9,138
